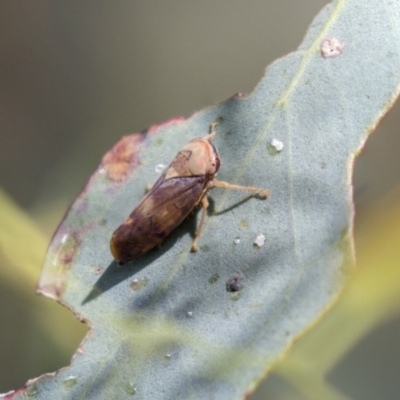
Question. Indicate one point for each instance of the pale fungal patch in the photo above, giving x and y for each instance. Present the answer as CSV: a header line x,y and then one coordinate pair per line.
x,y
159,168
260,240
277,145
331,47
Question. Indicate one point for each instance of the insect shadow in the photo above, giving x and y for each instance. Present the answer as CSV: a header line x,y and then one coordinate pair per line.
x,y
213,212
115,273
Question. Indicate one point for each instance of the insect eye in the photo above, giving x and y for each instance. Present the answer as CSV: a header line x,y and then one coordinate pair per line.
x,y
213,165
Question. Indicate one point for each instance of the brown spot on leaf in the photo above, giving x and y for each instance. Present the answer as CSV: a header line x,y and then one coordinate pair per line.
x,y
172,121
123,157
64,248
68,250
14,393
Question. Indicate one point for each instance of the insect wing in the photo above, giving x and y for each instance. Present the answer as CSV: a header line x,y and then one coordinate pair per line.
x,y
164,207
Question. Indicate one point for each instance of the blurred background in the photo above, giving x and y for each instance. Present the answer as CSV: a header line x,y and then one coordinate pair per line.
x,y
76,76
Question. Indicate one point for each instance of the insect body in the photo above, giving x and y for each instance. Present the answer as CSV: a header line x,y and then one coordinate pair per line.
x,y
182,187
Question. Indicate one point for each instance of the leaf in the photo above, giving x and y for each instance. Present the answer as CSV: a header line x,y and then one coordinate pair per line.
x,y
164,325
372,297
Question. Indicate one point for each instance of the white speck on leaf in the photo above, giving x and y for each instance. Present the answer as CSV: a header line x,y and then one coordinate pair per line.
x,y
260,240
331,48
159,168
277,145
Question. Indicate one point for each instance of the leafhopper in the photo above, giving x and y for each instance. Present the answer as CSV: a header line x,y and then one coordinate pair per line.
x,y
183,186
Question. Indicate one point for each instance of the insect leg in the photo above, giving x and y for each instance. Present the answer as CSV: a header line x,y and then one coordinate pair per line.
x,y
205,204
212,131
226,185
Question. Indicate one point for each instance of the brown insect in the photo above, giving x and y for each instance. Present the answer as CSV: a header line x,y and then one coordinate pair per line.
x,y
182,187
